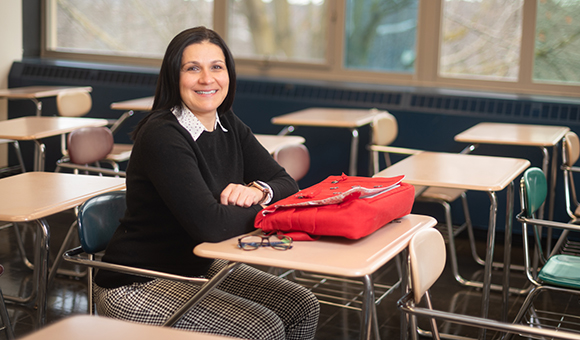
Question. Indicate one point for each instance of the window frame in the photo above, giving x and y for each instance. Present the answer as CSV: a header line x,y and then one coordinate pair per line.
x,y
426,66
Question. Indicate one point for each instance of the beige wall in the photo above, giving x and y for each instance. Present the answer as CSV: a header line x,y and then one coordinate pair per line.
x,y
10,50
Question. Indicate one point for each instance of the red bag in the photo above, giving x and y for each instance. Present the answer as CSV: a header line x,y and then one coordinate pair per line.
x,y
352,207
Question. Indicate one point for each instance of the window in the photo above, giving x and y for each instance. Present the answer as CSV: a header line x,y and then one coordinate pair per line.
x,y
557,49
517,46
481,39
136,29
380,35
293,30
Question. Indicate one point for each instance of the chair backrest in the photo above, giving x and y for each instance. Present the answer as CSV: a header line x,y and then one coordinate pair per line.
x,y
384,129
75,103
98,218
571,149
534,190
89,145
427,260
295,158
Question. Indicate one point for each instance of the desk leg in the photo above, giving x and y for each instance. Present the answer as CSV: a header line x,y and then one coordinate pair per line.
x,y
39,156
406,326
286,130
507,250
551,198
545,160
353,152
488,259
41,267
38,105
205,289
369,314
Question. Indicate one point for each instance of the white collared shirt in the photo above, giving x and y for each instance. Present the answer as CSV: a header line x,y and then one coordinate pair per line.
x,y
191,123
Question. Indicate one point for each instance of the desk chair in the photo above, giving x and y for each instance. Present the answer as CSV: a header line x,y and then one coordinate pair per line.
x,y
384,132
86,148
295,159
559,272
426,262
97,221
6,326
78,104
570,155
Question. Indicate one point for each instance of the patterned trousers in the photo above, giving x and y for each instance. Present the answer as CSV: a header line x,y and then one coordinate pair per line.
x,y
249,304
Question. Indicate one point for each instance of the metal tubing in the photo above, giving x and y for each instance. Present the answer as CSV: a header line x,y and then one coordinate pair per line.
x,y
368,306
205,289
488,259
352,168
41,268
507,249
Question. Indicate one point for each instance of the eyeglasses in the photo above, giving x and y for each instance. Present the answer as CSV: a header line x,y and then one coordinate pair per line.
x,y
276,241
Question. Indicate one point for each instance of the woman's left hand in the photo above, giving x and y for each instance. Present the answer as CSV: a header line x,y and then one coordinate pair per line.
x,y
241,195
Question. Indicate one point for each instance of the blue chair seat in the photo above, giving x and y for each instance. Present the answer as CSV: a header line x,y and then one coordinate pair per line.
x,y
562,270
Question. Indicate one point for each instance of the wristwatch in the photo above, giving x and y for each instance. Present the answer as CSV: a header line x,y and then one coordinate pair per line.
x,y
263,188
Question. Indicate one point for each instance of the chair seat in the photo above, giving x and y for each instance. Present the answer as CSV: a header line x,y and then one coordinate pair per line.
x,y
445,194
120,152
562,270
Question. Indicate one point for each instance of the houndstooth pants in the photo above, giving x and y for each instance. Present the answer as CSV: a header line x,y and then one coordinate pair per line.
x,y
249,304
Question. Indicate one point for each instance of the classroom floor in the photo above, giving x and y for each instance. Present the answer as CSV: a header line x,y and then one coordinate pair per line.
x,y
68,296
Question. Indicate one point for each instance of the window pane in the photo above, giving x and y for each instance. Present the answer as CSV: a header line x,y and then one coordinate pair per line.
x,y
380,35
481,39
126,28
287,30
557,51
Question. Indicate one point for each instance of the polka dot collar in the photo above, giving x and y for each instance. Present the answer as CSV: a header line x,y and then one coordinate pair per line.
x,y
190,122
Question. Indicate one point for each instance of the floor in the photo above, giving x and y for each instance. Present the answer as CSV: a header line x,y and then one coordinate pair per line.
x,y
68,296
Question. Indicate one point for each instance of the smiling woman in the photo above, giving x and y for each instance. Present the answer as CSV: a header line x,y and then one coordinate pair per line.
x,y
191,179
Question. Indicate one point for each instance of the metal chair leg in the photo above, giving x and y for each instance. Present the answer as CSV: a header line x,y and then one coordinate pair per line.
x,y
4,314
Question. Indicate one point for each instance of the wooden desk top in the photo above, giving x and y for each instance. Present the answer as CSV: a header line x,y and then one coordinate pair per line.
x,y
457,171
328,117
29,92
513,134
34,128
33,195
88,327
328,255
274,142
139,104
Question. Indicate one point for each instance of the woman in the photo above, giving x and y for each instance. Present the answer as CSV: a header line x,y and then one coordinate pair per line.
x,y
186,184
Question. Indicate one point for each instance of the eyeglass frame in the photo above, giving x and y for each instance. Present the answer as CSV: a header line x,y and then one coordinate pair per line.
x,y
267,238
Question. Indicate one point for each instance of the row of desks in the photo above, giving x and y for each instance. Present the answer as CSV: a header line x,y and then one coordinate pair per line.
x,y
480,173
37,195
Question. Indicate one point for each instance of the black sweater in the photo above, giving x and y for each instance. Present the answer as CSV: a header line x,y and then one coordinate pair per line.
x,y
173,188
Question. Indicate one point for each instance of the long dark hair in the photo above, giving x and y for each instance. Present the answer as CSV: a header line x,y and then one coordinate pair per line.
x,y
167,94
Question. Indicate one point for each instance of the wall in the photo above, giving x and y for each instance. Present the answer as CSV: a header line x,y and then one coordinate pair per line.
x,y
10,50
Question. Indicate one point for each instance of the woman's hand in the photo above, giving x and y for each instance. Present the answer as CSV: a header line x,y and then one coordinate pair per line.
x,y
241,195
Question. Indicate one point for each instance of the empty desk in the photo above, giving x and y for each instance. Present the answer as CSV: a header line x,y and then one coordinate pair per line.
x,y
470,172
332,117
542,136
34,93
31,197
37,128
103,328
